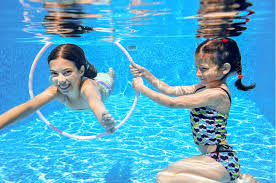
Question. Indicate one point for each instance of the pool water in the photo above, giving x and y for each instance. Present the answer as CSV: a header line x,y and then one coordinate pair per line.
x,y
148,142
160,38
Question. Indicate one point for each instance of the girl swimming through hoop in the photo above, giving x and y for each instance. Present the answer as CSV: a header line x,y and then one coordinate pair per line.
x,y
209,103
76,84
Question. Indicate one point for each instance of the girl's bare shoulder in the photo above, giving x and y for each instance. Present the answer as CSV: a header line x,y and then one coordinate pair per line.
x,y
222,101
88,83
89,87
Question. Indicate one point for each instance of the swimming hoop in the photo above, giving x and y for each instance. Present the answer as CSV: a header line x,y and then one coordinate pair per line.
x,y
60,131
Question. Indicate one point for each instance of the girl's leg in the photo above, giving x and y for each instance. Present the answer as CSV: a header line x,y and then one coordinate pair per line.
x,y
197,169
112,74
246,178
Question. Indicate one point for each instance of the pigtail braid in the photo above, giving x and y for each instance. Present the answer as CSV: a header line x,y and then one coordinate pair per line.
x,y
239,85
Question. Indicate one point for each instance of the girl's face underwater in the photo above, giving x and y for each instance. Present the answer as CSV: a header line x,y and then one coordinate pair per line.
x,y
207,72
65,75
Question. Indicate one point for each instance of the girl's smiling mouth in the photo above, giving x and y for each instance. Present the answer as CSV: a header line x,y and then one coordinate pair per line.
x,y
64,87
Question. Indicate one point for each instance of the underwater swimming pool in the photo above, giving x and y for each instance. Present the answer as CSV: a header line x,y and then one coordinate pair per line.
x,y
154,136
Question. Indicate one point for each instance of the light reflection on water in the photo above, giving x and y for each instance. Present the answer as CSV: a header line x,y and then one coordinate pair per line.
x,y
148,142
48,157
103,20
109,20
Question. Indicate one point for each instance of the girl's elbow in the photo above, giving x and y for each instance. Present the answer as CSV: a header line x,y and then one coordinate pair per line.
x,y
173,104
176,104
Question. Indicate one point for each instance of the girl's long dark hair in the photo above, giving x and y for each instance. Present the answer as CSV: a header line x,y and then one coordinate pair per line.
x,y
221,51
76,55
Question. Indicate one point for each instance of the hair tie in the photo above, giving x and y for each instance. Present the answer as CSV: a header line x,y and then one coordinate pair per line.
x,y
225,40
208,39
240,76
251,12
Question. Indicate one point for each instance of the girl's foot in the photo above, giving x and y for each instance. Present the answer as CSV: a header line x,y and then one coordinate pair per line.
x,y
246,178
111,73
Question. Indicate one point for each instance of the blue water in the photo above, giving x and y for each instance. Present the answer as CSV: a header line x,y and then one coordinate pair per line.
x,y
154,136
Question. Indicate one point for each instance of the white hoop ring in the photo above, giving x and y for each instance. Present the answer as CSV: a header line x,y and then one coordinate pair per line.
x,y
43,49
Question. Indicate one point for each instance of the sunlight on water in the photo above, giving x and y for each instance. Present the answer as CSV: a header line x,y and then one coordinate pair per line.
x,y
151,139
159,34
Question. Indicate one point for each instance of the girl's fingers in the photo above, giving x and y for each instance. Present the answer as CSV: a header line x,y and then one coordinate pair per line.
x,y
134,65
134,70
109,124
105,112
112,130
136,73
106,116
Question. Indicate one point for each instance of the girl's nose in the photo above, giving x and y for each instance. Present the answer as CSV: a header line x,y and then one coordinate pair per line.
x,y
61,79
198,73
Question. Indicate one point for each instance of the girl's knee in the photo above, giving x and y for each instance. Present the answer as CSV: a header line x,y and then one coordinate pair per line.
x,y
163,177
159,178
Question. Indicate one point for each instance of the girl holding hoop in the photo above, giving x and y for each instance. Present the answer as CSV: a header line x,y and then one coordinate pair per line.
x,y
76,84
209,102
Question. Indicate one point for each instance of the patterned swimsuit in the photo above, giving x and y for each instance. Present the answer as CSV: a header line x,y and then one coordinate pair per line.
x,y
209,128
105,82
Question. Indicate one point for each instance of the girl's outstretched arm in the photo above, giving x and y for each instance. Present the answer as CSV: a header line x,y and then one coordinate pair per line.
x,y
206,98
23,110
139,71
97,106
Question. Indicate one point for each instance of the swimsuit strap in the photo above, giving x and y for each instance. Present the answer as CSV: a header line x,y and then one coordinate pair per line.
x,y
200,88
222,148
227,94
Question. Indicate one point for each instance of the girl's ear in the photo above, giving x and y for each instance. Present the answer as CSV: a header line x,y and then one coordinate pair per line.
x,y
226,68
82,69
